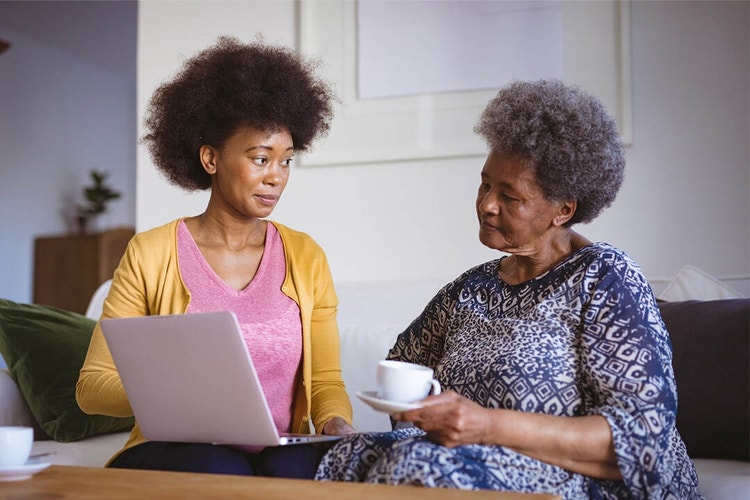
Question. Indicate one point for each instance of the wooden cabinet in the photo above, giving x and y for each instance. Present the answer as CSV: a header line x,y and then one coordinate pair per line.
x,y
68,269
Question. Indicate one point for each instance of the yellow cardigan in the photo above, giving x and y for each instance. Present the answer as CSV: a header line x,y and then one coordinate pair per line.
x,y
148,282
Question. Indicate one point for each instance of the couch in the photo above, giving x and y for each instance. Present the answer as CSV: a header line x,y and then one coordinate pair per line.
x,y
711,360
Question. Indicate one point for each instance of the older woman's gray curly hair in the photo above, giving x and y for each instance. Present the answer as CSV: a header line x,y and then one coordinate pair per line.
x,y
566,134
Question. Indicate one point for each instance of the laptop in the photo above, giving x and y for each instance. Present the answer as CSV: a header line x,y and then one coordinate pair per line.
x,y
189,378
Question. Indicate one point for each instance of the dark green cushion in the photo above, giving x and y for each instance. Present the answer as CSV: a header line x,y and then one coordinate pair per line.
x,y
44,349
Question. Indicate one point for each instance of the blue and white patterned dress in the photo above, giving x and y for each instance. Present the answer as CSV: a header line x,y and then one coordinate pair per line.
x,y
585,338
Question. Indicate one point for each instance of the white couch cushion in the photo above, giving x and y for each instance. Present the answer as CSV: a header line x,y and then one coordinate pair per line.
x,y
13,408
90,452
361,349
94,309
693,284
371,315
723,478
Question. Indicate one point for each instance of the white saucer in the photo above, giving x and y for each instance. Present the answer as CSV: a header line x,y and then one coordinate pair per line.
x,y
370,397
25,471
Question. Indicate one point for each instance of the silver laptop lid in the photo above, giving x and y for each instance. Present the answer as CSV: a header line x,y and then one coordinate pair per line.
x,y
189,378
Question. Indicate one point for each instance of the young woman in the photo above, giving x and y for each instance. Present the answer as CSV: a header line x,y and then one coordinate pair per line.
x,y
231,122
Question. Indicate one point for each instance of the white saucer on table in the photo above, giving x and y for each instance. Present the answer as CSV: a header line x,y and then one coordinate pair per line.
x,y
383,405
25,471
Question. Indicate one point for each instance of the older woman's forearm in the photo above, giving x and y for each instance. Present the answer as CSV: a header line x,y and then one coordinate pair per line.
x,y
579,444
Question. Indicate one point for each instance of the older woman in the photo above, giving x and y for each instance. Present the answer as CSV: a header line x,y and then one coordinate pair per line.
x,y
556,361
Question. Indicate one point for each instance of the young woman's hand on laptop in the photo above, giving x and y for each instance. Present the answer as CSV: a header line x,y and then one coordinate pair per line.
x,y
337,426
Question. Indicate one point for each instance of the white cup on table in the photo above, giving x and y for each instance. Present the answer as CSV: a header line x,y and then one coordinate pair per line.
x,y
15,445
403,382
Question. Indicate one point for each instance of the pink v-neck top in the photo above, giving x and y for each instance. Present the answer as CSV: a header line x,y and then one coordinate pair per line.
x,y
269,319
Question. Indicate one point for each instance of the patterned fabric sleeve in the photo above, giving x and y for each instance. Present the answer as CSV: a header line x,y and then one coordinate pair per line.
x,y
625,355
423,341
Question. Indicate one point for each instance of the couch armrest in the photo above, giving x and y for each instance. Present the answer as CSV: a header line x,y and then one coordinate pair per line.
x,y
13,408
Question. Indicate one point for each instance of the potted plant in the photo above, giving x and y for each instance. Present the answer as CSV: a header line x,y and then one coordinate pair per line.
x,y
97,196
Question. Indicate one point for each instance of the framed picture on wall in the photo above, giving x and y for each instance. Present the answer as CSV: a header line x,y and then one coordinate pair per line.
x,y
413,75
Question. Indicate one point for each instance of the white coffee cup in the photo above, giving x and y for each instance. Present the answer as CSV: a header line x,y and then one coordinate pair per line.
x,y
15,445
404,382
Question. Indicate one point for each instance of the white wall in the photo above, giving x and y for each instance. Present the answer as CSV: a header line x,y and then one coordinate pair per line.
x,y
685,197
60,116
689,168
